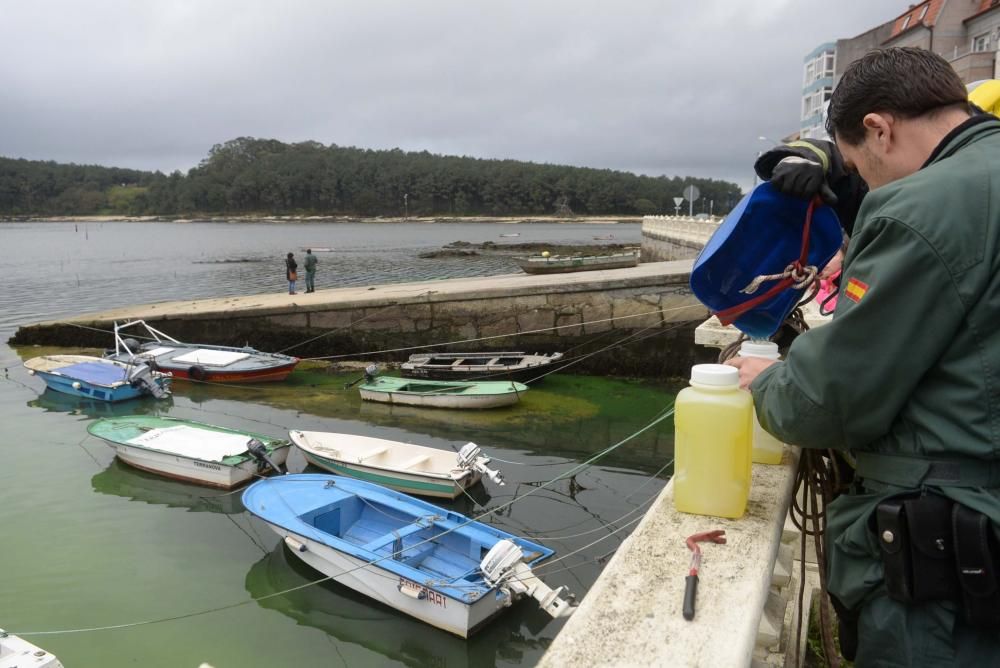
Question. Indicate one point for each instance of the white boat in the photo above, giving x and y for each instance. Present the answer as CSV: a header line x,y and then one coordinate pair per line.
x,y
558,264
441,393
410,468
438,566
16,652
191,451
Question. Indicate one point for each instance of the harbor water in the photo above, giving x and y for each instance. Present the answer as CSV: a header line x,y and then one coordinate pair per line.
x,y
184,571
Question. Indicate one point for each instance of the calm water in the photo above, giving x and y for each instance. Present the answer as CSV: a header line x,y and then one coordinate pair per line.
x,y
88,542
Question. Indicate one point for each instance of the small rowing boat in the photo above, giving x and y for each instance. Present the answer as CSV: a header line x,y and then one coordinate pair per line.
x,y
479,366
563,264
440,393
99,378
438,566
407,467
191,451
200,362
15,651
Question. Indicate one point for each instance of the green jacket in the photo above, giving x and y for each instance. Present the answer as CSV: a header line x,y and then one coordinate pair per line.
x,y
310,263
907,375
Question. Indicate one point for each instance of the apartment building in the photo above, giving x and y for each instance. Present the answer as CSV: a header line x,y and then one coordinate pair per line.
x,y
965,32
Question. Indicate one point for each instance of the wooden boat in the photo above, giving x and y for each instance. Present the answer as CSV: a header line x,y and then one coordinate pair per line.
x,y
15,651
214,364
191,451
562,264
479,366
416,469
438,566
442,394
99,378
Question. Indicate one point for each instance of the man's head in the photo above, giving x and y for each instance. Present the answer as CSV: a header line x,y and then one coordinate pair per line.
x,y
892,108
309,250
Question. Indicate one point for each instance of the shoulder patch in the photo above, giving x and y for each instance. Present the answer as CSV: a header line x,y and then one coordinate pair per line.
x,y
855,290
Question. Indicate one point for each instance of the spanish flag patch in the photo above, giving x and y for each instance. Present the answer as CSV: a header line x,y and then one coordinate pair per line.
x,y
855,290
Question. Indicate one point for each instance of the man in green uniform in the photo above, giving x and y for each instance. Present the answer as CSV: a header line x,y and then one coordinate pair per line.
x,y
310,263
907,375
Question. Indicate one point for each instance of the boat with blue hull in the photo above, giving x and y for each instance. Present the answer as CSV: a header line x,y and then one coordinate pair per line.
x,y
440,567
98,378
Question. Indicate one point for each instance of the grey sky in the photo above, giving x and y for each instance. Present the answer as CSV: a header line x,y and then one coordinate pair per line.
x,y
671,87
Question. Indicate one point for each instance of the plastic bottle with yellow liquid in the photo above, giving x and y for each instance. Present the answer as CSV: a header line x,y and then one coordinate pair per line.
x,y
713,427
766,448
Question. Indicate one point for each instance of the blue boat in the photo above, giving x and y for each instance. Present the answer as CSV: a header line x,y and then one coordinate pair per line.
x,y
98,378
440,567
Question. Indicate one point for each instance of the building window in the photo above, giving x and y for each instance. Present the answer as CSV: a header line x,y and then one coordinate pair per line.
x,y
981,42
810,73
830,61
923,12
906,23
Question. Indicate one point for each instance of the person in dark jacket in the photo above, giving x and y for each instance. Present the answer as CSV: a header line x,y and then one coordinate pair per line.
x,y
291,273
311,263
904,377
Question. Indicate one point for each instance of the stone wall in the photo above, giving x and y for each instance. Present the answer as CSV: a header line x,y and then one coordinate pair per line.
x,y
667,238
647,313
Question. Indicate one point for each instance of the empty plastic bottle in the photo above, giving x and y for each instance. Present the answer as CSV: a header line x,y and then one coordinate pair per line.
x,y
766,448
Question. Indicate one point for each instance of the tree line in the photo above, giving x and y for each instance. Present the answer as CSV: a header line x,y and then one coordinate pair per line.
x,y
265,176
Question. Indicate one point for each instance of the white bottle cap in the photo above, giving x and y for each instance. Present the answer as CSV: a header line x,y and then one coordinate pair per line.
x,y
717,375
765,349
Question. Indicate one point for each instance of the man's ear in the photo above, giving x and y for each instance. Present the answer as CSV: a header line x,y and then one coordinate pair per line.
x,y
878,127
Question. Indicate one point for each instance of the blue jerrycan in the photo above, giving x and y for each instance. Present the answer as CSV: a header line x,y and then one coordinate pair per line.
x,y
762,236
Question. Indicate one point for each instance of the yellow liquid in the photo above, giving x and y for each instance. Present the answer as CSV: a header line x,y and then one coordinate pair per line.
x,y
713,431
766,448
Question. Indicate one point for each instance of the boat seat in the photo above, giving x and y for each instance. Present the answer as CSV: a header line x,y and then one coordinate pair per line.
x,y
392,536
372,454
410,463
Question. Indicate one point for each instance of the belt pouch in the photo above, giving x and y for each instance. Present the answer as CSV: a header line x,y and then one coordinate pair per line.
x,y
893,539
976,555
929,519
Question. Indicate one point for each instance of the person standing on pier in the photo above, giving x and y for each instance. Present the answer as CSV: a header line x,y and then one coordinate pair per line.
x,y
291,272
904,376
310,265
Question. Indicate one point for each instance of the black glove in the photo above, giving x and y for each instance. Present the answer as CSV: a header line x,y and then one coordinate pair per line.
x,y
803,178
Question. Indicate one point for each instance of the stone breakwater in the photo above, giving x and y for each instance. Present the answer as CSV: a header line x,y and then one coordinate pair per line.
x,y
647,314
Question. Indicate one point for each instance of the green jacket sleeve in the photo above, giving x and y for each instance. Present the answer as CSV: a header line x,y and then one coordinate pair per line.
x,y
842,385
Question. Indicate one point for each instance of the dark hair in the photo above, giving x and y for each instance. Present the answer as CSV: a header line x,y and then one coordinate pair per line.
x,y
309,250
290,255
904,81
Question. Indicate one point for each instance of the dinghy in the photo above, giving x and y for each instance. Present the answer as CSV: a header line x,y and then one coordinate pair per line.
x,y
479,366
191,451
99,378
214,364
416,469
441,394
16,652
556,264
440,567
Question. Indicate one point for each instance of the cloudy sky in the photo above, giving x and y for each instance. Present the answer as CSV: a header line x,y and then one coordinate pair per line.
x,y
671,87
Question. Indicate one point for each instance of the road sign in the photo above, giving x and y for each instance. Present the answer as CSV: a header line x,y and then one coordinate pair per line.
x,y
691,193
678,201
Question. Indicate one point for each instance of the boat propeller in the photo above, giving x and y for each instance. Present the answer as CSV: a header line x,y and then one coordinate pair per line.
x,y
471,457
370,372
258,451
504,567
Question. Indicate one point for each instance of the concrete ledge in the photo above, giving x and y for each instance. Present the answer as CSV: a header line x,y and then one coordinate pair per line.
x,y
632,615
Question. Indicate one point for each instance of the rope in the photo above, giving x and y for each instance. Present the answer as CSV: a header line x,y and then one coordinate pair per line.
x,y
798,275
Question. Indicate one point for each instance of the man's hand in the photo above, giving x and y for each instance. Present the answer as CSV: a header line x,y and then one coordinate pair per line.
x,y
802,178
750,368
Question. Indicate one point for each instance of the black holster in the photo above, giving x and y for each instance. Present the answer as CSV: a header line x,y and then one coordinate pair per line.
x,y
934,549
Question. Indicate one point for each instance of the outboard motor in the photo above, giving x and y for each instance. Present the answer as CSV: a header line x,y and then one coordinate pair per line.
x,y
142,377
503,567
258,451
370,372
471,458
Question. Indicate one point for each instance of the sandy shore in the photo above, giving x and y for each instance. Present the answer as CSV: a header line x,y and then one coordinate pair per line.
x,y
595,220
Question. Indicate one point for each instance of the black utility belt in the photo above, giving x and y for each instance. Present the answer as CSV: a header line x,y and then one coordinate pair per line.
x,y
935,549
